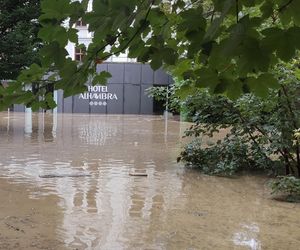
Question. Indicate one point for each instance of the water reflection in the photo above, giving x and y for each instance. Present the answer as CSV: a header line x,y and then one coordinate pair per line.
x,y
170,209
42,125
28,121
96,133
248,237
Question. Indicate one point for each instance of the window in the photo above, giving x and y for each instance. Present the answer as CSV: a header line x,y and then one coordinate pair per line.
x,y
80,23
79,54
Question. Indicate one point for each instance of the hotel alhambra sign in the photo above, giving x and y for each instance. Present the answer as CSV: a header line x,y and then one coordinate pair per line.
x,y
98,95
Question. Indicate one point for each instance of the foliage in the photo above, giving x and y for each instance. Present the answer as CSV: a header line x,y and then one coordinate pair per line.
x,y
260,131
286,184
229,46
296,136
226,157
242,146
166,94
18,32
160,93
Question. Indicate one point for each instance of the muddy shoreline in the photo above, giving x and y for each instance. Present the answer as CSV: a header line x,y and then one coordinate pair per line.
x,y
27,223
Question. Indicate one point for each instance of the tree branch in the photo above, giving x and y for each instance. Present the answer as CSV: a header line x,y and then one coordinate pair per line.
x,y
285,6
90,59
295,125
237,10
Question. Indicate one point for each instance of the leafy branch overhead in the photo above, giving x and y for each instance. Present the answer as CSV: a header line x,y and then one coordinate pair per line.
x,y
228,46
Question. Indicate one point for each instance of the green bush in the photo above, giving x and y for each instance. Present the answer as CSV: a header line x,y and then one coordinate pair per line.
x,y
260,132
167,95
226,157
288,186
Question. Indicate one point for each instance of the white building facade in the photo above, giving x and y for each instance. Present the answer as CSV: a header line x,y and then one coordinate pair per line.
x,y
85,37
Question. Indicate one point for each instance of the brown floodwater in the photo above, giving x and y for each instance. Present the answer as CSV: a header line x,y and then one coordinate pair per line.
x,y
109,208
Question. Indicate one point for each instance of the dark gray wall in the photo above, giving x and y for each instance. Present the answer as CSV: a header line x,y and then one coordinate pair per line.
x,y
128,84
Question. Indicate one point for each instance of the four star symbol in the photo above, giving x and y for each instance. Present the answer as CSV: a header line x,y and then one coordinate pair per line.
x,y
94,103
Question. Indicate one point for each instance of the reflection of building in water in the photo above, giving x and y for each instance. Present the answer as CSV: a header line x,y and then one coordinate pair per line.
x,y
248,237
96,132
102,210
5,127
40,125
112,202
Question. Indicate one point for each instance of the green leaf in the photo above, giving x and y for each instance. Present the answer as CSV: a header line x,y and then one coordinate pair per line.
x,y
248,3
267,8
207,78
53,53
269,80
297,73
283,42
234,89
51,33
50,101
253,58
156,62
101,78
61,36
25,97
215,26
290,12
35,106
55,9
33,73
184,91
169,56
69,69
260,86
257,87
221,87
192,20
136,49
181,66
72,35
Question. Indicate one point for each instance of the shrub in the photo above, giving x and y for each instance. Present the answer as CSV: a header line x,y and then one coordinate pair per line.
x,y
260,133
286,184
226,157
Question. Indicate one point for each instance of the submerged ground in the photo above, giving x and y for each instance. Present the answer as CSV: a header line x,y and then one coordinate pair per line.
x,y
171,208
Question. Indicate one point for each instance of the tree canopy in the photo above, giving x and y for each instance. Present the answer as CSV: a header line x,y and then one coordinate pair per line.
x,y
227,46
18,32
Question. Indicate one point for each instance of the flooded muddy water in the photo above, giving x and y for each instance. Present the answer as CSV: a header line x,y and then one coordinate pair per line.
x,y
94,201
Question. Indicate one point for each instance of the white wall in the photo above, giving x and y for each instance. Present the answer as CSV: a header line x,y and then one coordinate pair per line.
x,y
85,37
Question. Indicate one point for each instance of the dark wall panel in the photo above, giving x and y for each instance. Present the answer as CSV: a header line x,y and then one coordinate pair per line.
x,y
80,105
60,100
132,99
147,74
132,73
102,67
115,106
117,72
146,102
161,77
67,106
98,107
171,81
19,108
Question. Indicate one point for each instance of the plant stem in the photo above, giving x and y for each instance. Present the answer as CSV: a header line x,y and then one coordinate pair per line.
x,y
237,10
295,125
